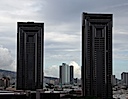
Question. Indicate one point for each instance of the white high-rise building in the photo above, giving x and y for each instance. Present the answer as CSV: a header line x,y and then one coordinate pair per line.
x,y
66,74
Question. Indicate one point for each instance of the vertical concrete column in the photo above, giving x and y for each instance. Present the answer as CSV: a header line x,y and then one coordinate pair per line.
x,y
38,93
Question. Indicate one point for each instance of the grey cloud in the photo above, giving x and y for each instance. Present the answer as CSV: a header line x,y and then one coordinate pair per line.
x,y
118,6
120,41
121,56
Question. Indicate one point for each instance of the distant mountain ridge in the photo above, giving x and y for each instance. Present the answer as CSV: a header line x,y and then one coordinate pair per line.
x,y
2,70
12,74
7,73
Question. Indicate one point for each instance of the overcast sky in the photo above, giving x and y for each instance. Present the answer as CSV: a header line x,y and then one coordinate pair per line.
x,y
62,30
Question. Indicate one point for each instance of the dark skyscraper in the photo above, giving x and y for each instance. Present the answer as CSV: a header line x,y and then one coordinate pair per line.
x,y
97,55
30,45
71,75
60,74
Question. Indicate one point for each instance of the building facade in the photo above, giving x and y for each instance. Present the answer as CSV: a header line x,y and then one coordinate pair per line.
x,y
97,55
30,38
66,74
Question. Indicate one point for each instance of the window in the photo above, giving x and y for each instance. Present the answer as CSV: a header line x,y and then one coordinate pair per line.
x,y
30,38
99,33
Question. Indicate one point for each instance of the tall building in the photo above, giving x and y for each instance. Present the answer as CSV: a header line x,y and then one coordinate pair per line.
x,y
60,74
124,78
71,75
97,55
30,45
66,74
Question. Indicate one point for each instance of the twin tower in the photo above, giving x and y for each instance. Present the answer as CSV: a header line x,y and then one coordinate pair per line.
x,y
96,55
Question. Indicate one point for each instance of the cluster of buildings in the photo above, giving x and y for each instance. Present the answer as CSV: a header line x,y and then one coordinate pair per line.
x,y
4,82
66,74
123,81
50,80
96,56
120,86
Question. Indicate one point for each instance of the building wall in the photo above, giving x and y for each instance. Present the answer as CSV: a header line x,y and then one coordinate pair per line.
x,y
97,55
30,38
65,74
2,83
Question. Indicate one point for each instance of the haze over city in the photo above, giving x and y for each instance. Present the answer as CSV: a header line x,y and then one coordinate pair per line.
x,y
62,31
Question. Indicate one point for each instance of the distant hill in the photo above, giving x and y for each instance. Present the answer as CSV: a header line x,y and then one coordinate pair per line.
x,y
7,73
12,74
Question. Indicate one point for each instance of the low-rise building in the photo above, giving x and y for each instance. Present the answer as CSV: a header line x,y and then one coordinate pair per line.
x,y
113,79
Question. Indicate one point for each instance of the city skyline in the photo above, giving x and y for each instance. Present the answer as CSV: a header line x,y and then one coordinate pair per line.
x,y
62,31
